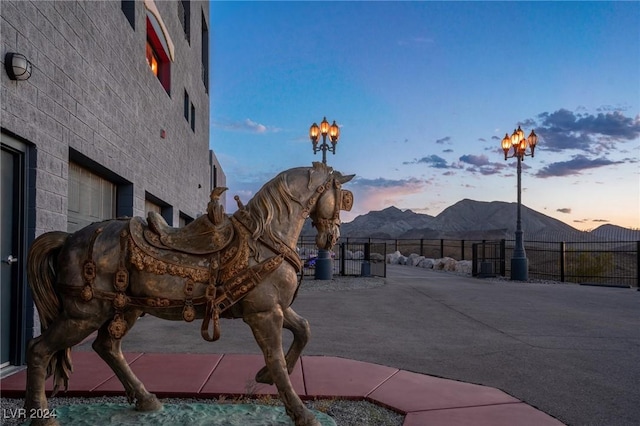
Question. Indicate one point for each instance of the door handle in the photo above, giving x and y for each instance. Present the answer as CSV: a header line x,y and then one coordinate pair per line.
x,y
10,259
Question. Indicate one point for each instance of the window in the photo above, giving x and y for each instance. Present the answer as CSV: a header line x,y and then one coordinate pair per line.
x,y
159,49
186,106
189,111
184,219
205,54
129,9
193,118
184,15
155,204
152,59
91,198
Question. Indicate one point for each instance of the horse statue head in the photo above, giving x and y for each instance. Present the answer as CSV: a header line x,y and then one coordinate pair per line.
x,y
325,216
279,209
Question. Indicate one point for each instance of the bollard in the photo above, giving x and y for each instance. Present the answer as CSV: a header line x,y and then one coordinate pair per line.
x,y
324,265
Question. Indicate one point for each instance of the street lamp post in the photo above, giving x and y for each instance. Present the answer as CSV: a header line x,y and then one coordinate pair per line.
x,y
324,129
324,264
517,141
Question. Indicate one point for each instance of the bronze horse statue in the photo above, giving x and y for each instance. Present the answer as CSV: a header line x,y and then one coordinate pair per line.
x,y
104,276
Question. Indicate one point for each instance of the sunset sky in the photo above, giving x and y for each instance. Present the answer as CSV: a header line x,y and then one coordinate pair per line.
x,y
425,91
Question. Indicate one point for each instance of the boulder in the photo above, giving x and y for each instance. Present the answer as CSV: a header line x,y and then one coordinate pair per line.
x,y
392,258
427,263
445,264
376,257
414,259
463,267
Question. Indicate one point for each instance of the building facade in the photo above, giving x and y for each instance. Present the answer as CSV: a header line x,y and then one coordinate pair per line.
x,y
111,120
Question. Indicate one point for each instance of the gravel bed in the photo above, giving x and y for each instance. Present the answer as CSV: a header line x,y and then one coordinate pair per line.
x,y
340,283
343,412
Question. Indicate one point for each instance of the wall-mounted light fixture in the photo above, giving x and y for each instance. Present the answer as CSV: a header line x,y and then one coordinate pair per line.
x,y
17,66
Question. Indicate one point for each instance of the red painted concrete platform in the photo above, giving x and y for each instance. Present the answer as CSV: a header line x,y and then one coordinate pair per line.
x,y
423,399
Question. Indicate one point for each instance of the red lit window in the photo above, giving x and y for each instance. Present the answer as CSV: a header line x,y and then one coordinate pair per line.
x,y
152,59
157,53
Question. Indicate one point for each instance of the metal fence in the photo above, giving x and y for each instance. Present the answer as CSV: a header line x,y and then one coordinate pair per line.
x,y
612,263
348,258
602,262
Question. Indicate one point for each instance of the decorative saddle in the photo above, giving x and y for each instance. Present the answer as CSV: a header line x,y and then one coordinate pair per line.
x,y
201,253
198,237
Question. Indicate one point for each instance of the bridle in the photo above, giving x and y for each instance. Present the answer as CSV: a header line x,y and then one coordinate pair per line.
x,y
313,200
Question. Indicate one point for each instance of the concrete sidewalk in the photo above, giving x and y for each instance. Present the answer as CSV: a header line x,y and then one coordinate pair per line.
x,y
422,399
571,351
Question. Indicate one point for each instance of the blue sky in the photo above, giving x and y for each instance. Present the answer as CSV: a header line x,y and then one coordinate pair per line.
x,y
425,91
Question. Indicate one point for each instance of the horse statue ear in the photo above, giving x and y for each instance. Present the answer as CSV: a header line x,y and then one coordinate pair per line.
x,y
317,174
342,178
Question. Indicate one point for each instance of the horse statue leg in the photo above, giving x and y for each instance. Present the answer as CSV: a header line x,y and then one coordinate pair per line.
x,y
110,351
301,332
267,330
62,334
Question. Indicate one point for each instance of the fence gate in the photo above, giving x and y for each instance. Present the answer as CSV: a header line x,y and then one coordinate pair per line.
x,y
363,259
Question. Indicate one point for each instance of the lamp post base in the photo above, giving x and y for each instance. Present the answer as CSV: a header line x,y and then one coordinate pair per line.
x,y
519,269
324,266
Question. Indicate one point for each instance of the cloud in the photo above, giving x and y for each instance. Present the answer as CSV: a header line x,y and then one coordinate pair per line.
x,y
476,160
370,194
443,140
396,184
246,125
608,108
433,161
565,130
481,164
574,166
564,210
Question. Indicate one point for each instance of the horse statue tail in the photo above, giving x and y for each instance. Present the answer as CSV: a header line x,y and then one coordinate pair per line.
x,y
41,274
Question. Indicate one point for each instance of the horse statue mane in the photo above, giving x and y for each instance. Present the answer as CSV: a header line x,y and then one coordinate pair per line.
x,y
276,197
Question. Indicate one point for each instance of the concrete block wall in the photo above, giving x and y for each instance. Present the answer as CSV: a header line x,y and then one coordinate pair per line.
x,y
93,95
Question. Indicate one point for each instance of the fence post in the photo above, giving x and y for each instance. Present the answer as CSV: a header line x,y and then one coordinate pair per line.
x,y
638,264
343,256
421,246
397,245
385,261
462,250
562,261
441,248
474,259
503,255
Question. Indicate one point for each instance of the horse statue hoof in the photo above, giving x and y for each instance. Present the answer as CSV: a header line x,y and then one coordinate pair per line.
x,y
264,376
149,403
308,419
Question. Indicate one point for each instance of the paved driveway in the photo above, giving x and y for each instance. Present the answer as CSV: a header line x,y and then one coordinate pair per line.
x,y
571,351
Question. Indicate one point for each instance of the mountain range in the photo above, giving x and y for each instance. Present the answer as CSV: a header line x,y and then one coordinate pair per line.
x,y
472,220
